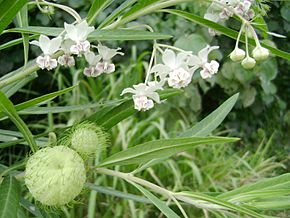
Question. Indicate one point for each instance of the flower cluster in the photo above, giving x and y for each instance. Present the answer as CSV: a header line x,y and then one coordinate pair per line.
x,y
75,42
222,10
176,70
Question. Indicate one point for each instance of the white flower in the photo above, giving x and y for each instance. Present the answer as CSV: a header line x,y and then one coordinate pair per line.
x,y
201,61
143,95
48,46
46,62
66,60
142,103
179,78
209,69
175,67
106,55
79,33
92,59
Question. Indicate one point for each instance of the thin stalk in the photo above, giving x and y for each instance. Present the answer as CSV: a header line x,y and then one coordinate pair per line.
x,y
131,178
173,48
239,36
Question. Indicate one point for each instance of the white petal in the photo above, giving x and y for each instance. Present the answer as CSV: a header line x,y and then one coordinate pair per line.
x,y
71,31
169,58
154,96
83,30
128,90
203,53
54,45
44,44
91,58
34,42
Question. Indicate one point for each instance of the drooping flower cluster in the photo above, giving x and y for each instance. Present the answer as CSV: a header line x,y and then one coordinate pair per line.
x,y
177,71
222,10
75,42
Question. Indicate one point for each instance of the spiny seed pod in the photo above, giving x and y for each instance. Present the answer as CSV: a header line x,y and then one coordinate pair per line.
x,y
248,63
87,138
55,175
260,53
237,54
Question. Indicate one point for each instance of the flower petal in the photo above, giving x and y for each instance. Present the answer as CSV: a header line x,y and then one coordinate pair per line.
x,y
169,58
71,31
44,44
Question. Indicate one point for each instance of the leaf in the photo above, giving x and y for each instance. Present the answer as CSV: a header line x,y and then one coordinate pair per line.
x,y
159,148
38,100
96,8
8,10
212,121
9,197
7,106
158,203
110,116
12,88
15,42
116,13
225,31
118,34
192,197
279,182
113,192
22,20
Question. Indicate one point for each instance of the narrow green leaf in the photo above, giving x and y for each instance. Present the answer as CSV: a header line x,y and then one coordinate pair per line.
x,y
277,203
110,116
116,13
97,35
12,88
279,182
9,197
39,100
8,10
119,194
22,20
97,7
159,148
225,31
7,106
15,42
212,121
158,203
213,200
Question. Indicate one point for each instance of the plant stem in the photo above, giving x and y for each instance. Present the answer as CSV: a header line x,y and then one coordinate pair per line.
x,y
131,178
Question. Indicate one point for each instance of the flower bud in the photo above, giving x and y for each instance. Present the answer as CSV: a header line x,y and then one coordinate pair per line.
x,y
248,63
55,175
260,53
87,138
237,54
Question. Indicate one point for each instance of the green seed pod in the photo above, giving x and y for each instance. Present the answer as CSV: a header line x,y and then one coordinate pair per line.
x,y
248,63
87,138
55,175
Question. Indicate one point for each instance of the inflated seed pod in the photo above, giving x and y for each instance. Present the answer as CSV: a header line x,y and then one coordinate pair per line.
x,y
55,175
86,138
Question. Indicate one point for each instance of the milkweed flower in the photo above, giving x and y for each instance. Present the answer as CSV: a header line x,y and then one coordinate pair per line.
x,y
208,69
106,55
92,59
66,59
143,95
79,34
48,47
174,69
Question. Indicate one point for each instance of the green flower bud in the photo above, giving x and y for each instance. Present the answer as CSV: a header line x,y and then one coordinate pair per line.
x,y
87,138
248,63
260,53
55,175
237,54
